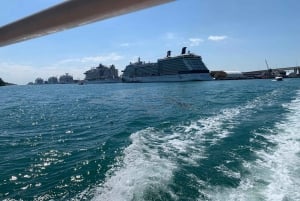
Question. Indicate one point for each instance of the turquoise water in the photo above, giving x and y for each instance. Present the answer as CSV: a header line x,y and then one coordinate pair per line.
x,y
218,140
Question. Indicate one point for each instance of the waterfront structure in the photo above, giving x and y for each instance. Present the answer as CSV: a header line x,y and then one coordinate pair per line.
x,y
234,75
228,75
66,79
266,74
102,74
185,67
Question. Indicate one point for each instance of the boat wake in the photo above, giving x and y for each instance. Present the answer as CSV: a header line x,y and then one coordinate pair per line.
x,y
148,165
275,174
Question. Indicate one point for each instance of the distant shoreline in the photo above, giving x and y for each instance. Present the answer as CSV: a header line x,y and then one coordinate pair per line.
x,y
3,83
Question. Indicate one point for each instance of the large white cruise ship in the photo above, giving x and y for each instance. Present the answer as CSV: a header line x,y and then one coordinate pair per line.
x,y
185,67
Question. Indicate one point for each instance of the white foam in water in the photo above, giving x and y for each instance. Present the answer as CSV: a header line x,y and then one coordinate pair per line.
x,y
229,173
275,176
151,159
284,162
142,168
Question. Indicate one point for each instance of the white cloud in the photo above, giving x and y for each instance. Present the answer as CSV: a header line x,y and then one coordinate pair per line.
x,y
170,36
109,58
217,38
131,44
195,41
125,44
103,58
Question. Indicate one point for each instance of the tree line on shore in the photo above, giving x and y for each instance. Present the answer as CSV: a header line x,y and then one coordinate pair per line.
x,y
3,83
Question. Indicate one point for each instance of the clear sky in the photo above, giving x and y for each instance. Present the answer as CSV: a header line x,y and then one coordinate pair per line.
x,y
228,34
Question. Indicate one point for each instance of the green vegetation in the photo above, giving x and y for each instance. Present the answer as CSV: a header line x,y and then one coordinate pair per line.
x,y
2,83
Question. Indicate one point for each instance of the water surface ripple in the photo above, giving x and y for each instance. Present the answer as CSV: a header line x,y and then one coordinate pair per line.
x,y
222,140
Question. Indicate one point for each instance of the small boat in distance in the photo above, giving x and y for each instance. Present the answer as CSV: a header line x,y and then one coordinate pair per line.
x,y
271,73
278,78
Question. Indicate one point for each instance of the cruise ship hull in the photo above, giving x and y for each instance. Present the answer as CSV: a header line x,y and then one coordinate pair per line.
x,y
102,81
170,78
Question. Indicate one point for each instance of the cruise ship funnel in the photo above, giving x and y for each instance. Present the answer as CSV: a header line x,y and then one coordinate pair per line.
x,y
183,51
169,53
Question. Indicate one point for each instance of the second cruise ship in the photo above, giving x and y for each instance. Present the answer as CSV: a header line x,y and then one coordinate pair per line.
x,y
102,74
185,67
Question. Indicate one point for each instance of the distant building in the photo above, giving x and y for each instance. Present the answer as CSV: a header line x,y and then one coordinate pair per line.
x,y
234,75
52,80
228,75
293,75
66,79
39,81
218,75
279,72
265,74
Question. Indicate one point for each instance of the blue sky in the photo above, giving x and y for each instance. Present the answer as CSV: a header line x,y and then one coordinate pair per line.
x,y
228,34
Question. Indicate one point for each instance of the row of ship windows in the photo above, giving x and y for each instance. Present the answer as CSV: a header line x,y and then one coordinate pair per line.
x,y
166,69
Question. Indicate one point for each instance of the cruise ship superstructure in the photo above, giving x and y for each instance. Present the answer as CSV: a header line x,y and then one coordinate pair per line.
x,y
185,67
102,74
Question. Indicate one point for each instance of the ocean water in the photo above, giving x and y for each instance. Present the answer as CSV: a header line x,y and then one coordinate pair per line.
x,y
218,140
